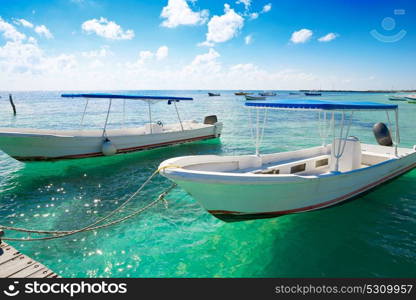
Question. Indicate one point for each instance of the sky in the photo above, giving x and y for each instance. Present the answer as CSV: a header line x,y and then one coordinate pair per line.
x,y
207,44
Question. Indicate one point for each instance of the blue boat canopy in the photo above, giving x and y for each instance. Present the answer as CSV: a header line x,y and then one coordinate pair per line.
x,y
300,104
135,97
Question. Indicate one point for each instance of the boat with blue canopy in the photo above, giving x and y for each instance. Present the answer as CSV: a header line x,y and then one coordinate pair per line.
x,y
27,144
243,187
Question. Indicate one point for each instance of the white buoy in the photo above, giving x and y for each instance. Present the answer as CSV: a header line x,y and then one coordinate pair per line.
x,y
108,148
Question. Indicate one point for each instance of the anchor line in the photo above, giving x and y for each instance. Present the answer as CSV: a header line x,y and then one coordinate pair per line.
x,y
94,225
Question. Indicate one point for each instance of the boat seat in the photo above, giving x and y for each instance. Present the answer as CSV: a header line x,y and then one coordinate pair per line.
x,y
350,158
298,166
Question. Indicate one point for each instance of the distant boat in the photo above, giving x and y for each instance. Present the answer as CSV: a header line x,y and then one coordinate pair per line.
x,y
294,93
398,98
242,93
313,94
214,94
255,97
268,94
411,97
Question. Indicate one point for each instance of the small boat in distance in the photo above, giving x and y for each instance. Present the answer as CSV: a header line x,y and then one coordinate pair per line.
x,y
294,93
268,94
27,144
411,97
398,98
313,94
242,93
248,97
243,187
214,94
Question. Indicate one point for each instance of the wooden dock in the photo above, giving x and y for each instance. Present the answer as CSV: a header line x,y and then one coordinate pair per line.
x,y
14,264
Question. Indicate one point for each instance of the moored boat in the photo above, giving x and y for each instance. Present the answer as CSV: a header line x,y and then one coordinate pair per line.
x,y
268,94
255,186
398,98
411,97
313,94
214,94
242,93
248,97
39,144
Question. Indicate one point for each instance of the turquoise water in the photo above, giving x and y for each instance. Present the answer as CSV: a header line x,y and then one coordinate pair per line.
x,y
373,236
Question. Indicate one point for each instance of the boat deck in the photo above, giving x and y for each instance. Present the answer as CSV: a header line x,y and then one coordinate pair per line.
x,y
14,264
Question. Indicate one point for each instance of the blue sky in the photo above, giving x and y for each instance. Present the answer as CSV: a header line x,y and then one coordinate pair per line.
x,y
202,44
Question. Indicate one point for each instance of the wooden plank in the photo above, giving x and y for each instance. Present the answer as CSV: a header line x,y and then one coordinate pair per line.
x,y
28,271
7,253
14,264
43,273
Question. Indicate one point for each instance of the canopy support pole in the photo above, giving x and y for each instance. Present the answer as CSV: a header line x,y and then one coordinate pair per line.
x,y
257,132
177,113
106,119
85,110
150,117
124,111
342,141
397,135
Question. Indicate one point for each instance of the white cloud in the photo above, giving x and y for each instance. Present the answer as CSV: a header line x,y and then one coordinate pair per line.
x,y
42,30
23,22
267,8
329,37
107,29
204,64
102,52
162,52
17,57
253,16
32,40
246,3
9,31
144,56
301,36
178,12
223,28
248,39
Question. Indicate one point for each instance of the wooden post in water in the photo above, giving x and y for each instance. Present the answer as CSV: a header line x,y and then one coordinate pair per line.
x,y
12,104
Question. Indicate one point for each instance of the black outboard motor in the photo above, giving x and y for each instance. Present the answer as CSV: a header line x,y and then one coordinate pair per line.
x,y
382,134
210,120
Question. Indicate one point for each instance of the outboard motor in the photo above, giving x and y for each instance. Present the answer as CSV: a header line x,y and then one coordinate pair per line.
x,y
210,120
382,134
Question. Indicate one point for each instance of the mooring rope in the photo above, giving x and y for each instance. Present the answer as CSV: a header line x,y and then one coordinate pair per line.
x,y
94,226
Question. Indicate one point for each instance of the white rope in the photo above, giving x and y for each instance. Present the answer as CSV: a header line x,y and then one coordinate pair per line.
x,y
94,225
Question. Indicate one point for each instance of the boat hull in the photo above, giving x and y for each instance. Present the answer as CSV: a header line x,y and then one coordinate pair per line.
x,y
38,147
241,197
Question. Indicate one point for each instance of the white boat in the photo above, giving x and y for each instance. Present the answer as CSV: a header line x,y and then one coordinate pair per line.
x,y
268,94
248,97
397,98
26,144
269,185
410,97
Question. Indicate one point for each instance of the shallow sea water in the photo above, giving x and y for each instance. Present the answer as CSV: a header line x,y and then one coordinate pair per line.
x,y
372,236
